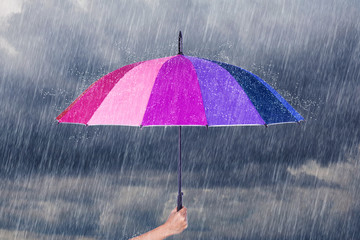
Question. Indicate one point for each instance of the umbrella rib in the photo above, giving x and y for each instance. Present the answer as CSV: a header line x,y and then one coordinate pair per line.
x,y
152,89
202,99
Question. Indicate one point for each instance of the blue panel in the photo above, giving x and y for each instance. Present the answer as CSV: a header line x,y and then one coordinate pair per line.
x,y
281,99
271,109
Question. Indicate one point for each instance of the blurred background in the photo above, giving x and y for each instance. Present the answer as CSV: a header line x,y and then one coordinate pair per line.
x,y
292,181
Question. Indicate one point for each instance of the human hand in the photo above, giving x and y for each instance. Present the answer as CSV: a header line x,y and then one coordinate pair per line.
x,y
176,222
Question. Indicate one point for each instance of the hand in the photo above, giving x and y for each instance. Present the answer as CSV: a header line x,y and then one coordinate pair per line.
x,y
176,222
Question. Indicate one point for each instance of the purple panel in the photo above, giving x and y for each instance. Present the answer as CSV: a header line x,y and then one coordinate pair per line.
x,y
175,98
225,101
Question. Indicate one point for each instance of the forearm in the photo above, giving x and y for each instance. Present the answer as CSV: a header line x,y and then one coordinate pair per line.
x,y
158,233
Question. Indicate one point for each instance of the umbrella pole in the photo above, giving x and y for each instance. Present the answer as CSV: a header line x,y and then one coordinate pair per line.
x,y
179,199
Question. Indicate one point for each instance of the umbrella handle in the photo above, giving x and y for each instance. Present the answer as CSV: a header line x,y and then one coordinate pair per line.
x,y
179,202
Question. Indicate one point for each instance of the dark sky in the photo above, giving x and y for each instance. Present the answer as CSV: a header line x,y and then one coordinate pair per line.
x,y
283,182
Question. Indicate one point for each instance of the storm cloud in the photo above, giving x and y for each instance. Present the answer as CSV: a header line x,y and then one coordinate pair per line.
x,y
109,206
70,181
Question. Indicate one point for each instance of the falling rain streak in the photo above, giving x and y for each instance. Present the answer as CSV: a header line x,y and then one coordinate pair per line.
x,y
104,182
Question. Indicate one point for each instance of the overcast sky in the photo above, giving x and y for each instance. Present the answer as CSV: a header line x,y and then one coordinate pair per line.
x,y
282,182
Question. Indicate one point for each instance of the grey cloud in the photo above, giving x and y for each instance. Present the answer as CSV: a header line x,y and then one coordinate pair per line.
x,y
115,206
64,47
308,50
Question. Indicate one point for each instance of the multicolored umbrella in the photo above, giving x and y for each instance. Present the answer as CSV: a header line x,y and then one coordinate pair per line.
x,y
180,91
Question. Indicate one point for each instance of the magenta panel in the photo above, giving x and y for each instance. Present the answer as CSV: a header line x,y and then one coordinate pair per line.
x,y
175,98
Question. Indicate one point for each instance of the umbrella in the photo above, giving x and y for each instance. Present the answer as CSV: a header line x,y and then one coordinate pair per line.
x,y
180,91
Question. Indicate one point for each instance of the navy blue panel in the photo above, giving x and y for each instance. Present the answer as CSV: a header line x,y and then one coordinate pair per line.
x,y
265,102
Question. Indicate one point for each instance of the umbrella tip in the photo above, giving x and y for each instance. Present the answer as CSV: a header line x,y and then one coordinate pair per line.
x,y
299,122
180,44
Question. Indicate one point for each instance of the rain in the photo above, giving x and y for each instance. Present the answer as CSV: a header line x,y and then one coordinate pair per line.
x,y
287,181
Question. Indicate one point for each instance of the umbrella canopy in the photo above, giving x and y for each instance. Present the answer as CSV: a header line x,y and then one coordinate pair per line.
x,y
180,91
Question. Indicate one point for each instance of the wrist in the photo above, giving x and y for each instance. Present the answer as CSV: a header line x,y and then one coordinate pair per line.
x,y
166,230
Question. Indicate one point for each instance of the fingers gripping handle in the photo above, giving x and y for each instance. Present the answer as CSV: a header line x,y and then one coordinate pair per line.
x,y
179,202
